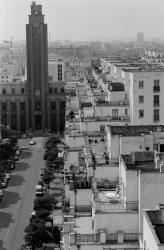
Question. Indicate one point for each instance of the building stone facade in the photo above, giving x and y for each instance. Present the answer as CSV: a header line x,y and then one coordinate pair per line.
x,y
36,104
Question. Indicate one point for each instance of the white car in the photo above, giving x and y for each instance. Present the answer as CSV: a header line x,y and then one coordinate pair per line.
x,y
7,176
32,142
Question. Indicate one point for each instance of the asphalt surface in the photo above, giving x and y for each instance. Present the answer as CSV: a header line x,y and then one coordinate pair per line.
x,y
17,203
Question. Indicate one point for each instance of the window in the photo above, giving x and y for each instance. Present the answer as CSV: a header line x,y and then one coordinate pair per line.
x,y
55,90
59,72
141,113
37,106
22,106
102,128
50,89
13,91
53,106
156,115
156,100
62,105
62,90
4,106
141,99
126,111
156,86
13,106
22,90
141,84
3,91
115,114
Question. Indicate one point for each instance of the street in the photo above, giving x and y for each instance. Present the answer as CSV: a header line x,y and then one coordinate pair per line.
x,y
17,203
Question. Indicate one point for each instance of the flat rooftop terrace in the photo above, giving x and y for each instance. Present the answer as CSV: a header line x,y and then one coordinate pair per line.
x,y
135,130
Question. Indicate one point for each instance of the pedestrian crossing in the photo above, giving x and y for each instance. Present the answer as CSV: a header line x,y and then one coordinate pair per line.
x,y
38,146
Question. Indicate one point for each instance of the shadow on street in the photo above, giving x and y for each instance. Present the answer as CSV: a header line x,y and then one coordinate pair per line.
x,y
16,180
8,199
25,154
21,166
5,220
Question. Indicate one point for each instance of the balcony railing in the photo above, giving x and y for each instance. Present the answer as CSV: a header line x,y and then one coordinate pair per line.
x,y
111,238
119,103
156,104
115,205
156,88
81,238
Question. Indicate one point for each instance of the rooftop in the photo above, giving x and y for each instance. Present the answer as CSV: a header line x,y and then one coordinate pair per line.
x,y
83,224
143,161
135,130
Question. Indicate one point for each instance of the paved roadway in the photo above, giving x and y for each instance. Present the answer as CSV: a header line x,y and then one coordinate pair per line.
x,y
17,203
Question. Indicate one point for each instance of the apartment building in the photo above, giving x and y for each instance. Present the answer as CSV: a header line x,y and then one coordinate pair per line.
x,y
145,96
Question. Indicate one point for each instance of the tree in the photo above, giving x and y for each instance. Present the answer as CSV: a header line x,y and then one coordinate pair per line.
x,y
36,234
46,202
42,214
52,142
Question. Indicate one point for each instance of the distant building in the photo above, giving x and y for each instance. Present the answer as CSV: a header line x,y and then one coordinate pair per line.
x,y
140,38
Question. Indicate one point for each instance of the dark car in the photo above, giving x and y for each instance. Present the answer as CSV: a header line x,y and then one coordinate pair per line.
x,y
2,192
4,183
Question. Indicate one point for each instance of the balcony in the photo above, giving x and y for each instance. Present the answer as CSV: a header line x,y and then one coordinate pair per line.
x,y
119,103
110,238
156,104
156,88
115,205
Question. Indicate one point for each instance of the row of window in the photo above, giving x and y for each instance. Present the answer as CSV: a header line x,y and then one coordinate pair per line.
x,y
156,85
22,90
60,72
13,106
22,106
156,100
115,113
55,90
13,91
2,77
156,115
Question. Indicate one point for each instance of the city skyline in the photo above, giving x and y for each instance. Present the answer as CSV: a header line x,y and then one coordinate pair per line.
x,y
86,20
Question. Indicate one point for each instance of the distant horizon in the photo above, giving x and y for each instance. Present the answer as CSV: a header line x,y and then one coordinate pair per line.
x,y
86,20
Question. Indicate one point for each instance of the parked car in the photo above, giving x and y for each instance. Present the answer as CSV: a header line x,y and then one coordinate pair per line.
x,y
40,191
7,176
32,142
2,192
4,183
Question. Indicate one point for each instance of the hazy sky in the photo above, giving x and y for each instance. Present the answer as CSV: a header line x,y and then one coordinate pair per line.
x,y
86,19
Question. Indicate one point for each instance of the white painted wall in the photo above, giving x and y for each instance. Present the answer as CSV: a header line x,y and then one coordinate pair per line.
x,y
111,173
147,92
115,221
83,197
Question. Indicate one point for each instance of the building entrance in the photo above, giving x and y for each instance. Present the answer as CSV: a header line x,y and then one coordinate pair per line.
x,y
38,122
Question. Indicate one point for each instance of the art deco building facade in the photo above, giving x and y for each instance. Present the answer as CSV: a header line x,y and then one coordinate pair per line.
x,y
36,104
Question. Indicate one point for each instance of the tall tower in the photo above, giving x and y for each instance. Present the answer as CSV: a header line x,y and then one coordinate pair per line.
x,y
37,68
140,38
